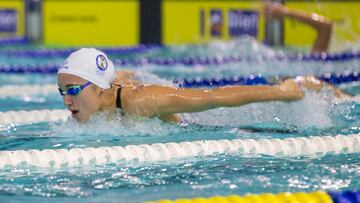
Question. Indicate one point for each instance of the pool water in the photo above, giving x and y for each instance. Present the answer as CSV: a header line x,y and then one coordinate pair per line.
x,y
318,114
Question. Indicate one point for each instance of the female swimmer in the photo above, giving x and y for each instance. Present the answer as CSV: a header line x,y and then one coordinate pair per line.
x,y
88,83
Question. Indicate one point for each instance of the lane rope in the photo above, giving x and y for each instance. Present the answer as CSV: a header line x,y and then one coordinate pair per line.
x,y
219,60
33,116
169,62
26,90
78,157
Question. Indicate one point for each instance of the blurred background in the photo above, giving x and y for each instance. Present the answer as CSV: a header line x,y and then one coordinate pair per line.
x,y
168,22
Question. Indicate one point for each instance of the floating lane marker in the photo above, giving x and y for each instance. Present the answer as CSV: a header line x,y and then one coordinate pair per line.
x,y
33,116
26,90
78,157
335,79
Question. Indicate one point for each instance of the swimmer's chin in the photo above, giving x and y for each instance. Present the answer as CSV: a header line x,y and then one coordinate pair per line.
x,y
79,119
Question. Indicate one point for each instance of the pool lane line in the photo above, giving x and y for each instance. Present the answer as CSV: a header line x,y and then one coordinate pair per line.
x,y
33,116
145,153
332,78
51,68
45,89
27,90
188,60
221,60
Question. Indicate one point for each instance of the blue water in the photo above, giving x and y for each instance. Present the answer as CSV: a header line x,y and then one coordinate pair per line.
x,y
318,114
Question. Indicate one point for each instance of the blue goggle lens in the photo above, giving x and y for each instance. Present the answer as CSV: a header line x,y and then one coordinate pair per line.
x,y
73,91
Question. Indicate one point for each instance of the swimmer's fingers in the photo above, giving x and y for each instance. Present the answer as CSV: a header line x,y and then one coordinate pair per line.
x,y
313,84
310,83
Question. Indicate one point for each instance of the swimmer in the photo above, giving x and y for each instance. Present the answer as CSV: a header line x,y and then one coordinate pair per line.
x,y
89,84
323,26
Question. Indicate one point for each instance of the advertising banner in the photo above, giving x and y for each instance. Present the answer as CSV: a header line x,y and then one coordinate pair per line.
x,y
88,22
202,21
12,18
243,22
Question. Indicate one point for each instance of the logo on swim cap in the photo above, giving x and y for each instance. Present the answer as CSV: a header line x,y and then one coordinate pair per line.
x,y
102,65
101,62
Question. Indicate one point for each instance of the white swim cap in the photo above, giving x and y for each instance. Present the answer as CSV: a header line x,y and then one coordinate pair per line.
x,y
91,65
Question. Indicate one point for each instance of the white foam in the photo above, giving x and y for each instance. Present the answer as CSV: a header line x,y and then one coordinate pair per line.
x,y
106,123
314,110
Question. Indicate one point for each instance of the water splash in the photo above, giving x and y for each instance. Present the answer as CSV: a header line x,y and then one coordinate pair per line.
x,y
114,124
315,110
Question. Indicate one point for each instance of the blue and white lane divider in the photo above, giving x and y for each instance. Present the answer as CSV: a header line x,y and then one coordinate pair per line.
x,y
90,156
27,90
46,89
196,60
24,117
334,79
188,61
218,60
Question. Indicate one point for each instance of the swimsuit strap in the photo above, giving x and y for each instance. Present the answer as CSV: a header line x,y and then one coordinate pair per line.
x,y
118,97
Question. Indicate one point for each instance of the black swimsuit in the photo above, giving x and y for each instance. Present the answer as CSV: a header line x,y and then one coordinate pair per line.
x,y
118,98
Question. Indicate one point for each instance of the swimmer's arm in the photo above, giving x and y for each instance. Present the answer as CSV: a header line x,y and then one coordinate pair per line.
x,y
322,25
160,100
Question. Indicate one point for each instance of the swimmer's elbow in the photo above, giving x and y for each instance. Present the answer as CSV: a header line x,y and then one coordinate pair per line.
x,y
326,26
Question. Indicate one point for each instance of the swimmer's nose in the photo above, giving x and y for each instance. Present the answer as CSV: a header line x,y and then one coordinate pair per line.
x,y
68,100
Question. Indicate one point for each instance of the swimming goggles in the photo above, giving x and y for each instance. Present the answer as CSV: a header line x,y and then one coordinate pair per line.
x,y
73,90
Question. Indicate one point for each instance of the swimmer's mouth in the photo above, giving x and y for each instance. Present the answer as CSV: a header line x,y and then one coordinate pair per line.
x,y
74,112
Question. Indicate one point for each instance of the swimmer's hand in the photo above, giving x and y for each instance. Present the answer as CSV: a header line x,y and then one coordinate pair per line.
x,y
291,90
314,84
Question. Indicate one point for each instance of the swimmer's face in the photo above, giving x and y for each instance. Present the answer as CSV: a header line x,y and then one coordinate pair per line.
x,y
83,105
